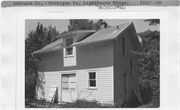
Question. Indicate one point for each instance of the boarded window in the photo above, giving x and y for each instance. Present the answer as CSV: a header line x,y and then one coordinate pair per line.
x,y
123,45
92,79
69,50
131,66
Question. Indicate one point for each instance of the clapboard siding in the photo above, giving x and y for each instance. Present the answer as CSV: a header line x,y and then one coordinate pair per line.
x,y
103,93
70,61
104,85
87,56
50,78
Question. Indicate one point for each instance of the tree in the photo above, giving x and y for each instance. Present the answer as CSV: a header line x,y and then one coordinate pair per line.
x,y
83,24
35,41
149,64
153,21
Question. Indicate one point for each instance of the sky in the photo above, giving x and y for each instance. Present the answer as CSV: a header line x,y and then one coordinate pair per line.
x,y
61,25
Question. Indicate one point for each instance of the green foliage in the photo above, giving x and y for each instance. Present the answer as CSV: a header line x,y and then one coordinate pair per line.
x,y
153,21
80,103
149,66
83,24
77,104
85,104
35,41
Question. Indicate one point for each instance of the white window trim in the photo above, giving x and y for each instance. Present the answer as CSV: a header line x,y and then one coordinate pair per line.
x,y
95,79
65,52
72,55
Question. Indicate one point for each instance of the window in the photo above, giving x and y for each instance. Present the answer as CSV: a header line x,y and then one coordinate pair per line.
x,y
69,50
131,66
92,79
123,45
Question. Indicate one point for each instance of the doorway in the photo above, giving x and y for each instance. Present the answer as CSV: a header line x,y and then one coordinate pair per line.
x,y
68,87
125,88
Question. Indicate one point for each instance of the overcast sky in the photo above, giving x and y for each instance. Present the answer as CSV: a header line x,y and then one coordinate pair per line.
x,y
61,25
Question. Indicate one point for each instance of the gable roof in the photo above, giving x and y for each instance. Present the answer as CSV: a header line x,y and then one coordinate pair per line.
x,y
104,34
58,44
74,32
100,35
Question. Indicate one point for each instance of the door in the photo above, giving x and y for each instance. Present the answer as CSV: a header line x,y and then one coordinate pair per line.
x,y
125,90
68,87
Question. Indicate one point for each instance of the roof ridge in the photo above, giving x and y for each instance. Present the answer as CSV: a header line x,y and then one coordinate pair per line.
x,y
116,26
73,32
124,24
105,34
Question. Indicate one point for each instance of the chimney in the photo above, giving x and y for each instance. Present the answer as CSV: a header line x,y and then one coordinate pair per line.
x,y
117,27
103,25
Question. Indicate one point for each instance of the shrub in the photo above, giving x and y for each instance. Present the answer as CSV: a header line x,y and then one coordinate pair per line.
x,y
80,103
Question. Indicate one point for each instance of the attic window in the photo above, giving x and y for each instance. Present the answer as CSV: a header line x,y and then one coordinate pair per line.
x,y
123,45
69,50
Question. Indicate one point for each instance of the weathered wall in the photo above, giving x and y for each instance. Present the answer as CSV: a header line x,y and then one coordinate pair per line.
x,y
87,56
104,84
122,65
103,92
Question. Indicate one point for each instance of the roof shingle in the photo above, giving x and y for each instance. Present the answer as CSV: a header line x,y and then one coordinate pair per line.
x,y
104,34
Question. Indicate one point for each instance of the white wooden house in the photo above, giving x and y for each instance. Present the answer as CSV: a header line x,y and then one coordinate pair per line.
x,y
91,64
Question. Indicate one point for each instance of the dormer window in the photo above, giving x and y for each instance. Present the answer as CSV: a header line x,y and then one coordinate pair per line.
x,y
69,50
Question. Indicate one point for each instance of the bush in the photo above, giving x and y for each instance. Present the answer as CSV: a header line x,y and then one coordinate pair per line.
x,y
80,103
87,104
76,104
149,67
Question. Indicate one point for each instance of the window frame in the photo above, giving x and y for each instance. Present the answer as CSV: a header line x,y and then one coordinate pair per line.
x,y
131,66
66,49
95,79
123,45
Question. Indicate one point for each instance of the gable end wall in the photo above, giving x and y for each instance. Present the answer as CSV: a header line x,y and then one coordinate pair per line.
x,y
122,65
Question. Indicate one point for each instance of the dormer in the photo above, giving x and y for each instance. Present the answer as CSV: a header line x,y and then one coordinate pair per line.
x,y
69,51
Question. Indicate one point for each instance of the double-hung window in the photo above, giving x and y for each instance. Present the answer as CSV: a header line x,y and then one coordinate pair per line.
x,y
92,79
69,50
